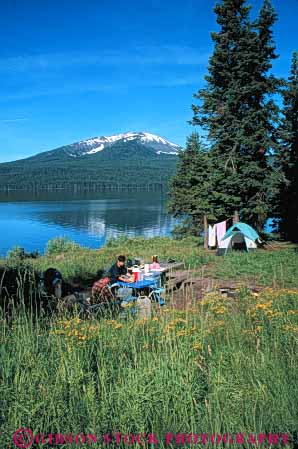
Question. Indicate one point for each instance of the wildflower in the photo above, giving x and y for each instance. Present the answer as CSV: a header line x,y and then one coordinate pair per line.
x,y
197,345
111,322
82,337
178,320
264,306
142,321
219,310
289,328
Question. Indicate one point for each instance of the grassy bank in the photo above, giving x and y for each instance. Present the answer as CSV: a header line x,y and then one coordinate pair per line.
x,y
276,267
223,365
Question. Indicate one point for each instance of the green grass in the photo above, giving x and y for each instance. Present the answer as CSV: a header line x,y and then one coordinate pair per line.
x,y
277,268
224,365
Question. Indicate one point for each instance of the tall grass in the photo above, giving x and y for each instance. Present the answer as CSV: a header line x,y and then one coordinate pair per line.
x,y
223,365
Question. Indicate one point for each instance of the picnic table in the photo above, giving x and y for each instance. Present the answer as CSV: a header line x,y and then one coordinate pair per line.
x,y
155,280
165,267
138,285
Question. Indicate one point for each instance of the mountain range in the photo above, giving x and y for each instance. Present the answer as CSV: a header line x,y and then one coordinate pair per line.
x,y
128,159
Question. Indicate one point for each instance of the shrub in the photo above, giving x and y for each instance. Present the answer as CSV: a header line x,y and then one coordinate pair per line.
x,y
60,245
117,241
16,253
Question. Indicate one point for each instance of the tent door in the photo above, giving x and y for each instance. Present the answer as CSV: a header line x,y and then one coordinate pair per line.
x,y
238,242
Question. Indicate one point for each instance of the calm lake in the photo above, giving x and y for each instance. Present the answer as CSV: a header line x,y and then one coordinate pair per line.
x,y
29,220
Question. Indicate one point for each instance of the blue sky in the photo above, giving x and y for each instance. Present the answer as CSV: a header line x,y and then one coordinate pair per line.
x,y
70,70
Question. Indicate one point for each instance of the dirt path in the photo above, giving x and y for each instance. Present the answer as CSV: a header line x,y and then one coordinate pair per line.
x,y
196,287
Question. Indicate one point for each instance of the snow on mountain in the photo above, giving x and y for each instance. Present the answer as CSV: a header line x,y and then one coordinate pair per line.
x,y
96,144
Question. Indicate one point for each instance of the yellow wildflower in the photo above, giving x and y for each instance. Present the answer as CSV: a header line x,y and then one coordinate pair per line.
x,y
82,337
219,310
289,328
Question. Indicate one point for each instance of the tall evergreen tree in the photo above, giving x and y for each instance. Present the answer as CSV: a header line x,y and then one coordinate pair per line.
x,y
288,157
236,110
191,187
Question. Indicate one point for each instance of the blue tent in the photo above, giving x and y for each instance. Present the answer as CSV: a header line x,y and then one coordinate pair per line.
x,y
239,236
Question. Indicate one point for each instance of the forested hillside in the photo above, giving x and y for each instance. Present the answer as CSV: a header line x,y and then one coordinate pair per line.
x,y
124,165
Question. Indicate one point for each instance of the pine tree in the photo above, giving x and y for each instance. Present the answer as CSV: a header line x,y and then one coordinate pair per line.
x,y
288,157
236,111
191,187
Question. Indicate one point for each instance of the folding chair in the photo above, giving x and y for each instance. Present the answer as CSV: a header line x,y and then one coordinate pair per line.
x,y
123,296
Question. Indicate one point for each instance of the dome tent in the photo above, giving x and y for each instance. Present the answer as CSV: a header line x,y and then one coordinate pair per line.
x,y
240,236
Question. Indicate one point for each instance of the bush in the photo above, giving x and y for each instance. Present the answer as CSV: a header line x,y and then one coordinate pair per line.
x,y
16,253
60,245
118,241
185,229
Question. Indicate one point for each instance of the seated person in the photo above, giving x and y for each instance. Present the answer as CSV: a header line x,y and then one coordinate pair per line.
x,y
155,264
118,271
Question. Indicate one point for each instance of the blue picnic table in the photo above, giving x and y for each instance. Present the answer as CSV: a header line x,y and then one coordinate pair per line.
x,y
138,284
152,284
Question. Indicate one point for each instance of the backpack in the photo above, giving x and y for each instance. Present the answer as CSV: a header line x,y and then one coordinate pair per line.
x,y
50,277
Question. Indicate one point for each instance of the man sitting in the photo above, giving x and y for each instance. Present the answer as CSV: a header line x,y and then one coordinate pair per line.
x,y
118,271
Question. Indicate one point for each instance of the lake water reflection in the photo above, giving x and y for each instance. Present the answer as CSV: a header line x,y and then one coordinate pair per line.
x,y
29,220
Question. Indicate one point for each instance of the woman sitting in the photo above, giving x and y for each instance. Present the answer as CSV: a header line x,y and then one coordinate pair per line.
x,y
155,264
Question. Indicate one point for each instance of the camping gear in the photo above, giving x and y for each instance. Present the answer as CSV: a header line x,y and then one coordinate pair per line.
x,y
52,281
144,307
240,236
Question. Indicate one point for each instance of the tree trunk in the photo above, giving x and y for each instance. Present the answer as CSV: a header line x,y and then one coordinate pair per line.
x,y
205,232
236,217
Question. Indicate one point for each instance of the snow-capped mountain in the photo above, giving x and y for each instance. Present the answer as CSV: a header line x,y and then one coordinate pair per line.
x,y
133,159
97,144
